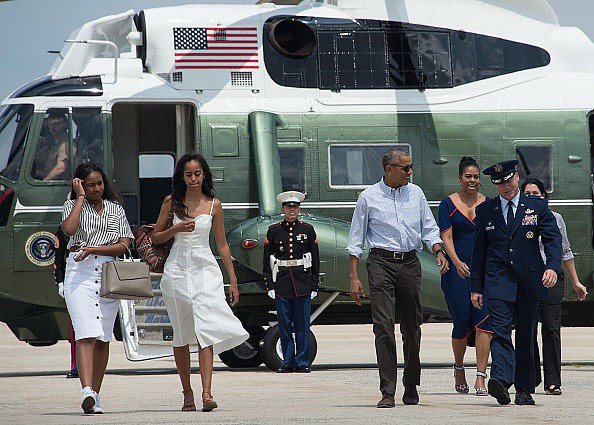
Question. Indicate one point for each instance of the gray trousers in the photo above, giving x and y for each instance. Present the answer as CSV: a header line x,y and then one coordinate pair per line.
x,y
396,283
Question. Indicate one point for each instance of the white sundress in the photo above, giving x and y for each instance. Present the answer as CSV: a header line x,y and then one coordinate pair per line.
x,y
194,295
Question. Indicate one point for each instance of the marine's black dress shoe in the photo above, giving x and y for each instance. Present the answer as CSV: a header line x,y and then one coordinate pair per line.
x,y
524,399
285,370
410,396
498,390
386,402
72,374
304,369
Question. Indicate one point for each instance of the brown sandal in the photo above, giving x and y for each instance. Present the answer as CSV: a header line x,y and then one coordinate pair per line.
x,y
189,405
554,390
208,403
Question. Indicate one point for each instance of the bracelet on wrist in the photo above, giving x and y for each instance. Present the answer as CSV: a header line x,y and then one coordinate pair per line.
x,y
440,250
81,194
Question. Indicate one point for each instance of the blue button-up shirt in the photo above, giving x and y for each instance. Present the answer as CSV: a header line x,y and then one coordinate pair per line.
x,y
392,219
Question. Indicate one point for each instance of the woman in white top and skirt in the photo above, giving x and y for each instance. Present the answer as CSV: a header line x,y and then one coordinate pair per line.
x,y
96,223
192,282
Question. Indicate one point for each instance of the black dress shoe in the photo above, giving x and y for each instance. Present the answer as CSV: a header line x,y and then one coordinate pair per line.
x,y
386,402
524,399
411,396
285,370
72,374
304,369
498,390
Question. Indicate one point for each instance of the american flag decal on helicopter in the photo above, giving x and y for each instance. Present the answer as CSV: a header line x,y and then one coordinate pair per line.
x,y
216,48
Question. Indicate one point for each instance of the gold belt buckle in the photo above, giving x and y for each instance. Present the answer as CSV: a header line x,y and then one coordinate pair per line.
x,y
291,263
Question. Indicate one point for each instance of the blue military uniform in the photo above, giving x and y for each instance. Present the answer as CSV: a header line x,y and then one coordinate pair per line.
x,y
293,274
507,269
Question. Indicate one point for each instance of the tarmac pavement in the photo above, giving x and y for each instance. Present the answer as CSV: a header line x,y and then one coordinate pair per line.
x,y
343,387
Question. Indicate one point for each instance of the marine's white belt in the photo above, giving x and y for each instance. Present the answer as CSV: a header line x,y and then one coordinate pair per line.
x,y
290,263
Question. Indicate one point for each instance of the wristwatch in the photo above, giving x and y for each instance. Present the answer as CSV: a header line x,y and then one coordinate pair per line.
x,y
442,251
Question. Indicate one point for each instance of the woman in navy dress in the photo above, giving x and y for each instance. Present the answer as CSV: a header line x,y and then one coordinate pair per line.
x,y
457,227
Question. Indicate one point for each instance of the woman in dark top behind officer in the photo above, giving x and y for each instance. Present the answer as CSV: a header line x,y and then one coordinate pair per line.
x,y
96,223
550,310
457,226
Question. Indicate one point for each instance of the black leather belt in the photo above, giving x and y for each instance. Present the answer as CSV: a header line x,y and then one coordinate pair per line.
x,y
393,255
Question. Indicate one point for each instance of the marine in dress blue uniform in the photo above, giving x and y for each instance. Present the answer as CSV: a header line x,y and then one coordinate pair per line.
x,y
291,274
509,273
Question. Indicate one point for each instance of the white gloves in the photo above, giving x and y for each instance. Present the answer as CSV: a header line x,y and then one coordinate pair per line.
x,y
314,294
61,289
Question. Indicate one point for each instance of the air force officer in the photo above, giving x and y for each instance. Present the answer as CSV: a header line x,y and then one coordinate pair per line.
x,y
508,271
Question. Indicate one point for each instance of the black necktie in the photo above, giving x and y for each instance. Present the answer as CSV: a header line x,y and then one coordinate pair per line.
x,y
510,215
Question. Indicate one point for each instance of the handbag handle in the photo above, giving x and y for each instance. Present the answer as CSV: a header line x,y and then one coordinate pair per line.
x,y
127,249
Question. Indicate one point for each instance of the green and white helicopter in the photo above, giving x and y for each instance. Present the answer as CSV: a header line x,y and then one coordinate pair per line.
x,y
305,97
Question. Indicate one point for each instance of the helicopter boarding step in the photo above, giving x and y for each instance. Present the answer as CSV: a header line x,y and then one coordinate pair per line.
x,y
146,327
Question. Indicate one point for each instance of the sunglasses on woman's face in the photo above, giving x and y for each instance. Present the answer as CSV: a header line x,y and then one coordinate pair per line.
x,y
405,168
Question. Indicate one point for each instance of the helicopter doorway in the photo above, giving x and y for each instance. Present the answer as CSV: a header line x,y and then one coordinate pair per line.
x,y
147,139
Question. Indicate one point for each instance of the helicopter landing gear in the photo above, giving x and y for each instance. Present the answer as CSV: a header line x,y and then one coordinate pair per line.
x,y
245,355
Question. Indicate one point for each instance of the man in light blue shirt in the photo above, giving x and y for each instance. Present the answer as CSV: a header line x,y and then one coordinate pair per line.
x,y
394,217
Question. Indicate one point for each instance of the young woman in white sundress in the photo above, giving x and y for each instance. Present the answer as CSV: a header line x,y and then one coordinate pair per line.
x,y
192,282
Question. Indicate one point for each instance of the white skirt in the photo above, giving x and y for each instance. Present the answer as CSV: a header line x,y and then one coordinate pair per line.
x,y
92,316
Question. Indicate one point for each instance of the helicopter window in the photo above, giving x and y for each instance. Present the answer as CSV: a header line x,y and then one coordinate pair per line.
x,y
536,162
54,151
14,125
87,128
154,178
156,165
75,86
357,165
292,164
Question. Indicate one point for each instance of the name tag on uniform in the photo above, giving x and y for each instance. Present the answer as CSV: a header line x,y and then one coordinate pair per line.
x,y
490,228
530,220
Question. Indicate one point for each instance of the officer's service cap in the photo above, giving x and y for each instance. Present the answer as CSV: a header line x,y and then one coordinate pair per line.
x,y
290,198
502,171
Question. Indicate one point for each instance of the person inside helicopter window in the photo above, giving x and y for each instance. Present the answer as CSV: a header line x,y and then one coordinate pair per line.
x,y
52,160
88,135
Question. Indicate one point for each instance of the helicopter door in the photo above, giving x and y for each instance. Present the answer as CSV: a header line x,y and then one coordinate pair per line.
x,y
147,140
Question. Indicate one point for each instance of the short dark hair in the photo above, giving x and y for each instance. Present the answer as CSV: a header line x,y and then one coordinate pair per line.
x,y
538,183
58,113
392,155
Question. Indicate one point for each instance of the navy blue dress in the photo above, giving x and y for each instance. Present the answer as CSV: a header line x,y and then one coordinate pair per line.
x,y
456,289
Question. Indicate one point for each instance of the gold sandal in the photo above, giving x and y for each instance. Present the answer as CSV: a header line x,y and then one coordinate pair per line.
x,y
208,403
